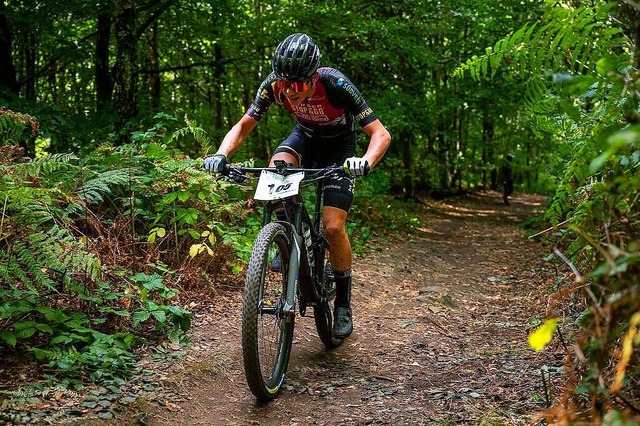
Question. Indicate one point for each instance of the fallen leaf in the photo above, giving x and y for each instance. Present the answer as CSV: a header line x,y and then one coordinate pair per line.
x,y
171,406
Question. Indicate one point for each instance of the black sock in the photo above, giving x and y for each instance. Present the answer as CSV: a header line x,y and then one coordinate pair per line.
x,y
343,288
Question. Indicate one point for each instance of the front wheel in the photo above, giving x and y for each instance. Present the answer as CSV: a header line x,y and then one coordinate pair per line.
x,y
267,330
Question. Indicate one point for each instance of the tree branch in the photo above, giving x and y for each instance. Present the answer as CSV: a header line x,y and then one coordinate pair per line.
x,y
155,15
635,6
193,65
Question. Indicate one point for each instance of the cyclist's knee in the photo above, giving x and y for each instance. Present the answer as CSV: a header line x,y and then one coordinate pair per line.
x,y
334,230
290,159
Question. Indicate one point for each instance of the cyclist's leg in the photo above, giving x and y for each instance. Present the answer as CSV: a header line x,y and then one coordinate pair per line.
x,y
340,255
334,225
338,197
292,150
289,158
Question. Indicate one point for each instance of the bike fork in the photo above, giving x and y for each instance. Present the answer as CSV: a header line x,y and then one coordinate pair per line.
x,y
289,308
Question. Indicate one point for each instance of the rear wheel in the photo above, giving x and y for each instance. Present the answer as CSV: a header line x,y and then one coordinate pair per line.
x,y
323,314
267,330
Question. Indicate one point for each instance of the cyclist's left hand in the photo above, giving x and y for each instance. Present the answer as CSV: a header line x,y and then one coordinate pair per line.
x,y
216,164
356,166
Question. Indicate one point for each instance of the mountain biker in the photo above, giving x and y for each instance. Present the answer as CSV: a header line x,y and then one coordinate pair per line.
x,y
326,105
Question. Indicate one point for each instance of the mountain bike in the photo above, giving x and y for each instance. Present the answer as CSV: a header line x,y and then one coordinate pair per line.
x,y
288,269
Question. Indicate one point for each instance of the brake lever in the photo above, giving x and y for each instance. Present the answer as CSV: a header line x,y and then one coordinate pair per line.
x,y
237,176
232,175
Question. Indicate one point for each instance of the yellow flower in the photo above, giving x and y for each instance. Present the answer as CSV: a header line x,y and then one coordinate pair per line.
x,y
542,336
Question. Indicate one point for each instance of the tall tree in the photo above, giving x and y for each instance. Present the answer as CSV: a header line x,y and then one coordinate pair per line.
x,y
103,79
8,80
126,66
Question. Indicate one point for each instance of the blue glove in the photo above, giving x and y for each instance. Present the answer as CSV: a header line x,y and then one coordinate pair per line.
x,y
216,164
356,166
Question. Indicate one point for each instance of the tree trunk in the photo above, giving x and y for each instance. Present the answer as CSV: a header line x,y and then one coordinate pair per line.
x,y
104,82
488,134
154,77
30,66
218,73
126,67
8,80
405,145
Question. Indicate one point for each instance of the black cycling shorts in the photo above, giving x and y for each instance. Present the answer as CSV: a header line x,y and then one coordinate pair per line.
x,y
338,190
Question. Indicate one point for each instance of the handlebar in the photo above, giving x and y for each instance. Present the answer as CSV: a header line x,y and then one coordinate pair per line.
x,y
236,171
239,173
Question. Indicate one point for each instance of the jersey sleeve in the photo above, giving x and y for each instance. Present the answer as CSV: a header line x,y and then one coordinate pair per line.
x,y
263,100
347,95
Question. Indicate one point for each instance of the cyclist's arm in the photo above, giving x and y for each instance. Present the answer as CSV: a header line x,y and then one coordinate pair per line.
x,y
379,141
238,133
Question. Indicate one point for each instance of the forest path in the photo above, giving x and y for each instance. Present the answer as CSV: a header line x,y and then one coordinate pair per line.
x,y
441,324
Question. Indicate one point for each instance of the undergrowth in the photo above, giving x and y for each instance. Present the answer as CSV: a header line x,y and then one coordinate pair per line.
x,y
97,254
587,102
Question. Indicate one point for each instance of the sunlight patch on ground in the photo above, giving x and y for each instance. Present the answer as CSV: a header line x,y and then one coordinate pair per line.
x,y
462,212
428,231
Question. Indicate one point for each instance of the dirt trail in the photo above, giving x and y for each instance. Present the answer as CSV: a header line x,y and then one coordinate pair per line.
x,y
441,320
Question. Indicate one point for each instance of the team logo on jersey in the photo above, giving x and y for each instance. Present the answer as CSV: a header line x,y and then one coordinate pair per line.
x,y
364,114
310,112
340,82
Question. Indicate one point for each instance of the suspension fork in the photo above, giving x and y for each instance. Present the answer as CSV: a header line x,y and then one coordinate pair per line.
x,y
294,260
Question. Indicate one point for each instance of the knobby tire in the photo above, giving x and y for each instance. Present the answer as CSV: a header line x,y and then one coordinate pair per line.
x,y
267,333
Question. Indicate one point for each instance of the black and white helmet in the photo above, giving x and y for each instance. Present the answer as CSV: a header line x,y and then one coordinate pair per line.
x,y
296,58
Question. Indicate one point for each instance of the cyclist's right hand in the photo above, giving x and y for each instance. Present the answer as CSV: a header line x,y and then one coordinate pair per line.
x,y
356,166
216,164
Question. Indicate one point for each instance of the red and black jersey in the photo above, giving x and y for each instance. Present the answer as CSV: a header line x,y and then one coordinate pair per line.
x,y
330,112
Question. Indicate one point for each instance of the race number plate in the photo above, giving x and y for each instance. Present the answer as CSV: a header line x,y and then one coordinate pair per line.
x,y
273,186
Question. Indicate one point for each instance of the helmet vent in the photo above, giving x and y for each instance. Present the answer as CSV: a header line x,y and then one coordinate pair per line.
x,y
296,58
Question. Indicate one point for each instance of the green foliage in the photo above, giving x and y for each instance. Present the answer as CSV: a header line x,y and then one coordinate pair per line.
x,y
67,225
64,301
373,214
206,61
16,128
567,39
583,96
199,135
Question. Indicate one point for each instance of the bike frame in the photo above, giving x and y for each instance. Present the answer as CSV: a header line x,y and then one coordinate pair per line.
x,y
267,305
309,285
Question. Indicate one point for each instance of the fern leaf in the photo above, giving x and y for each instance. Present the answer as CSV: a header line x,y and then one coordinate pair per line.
x,y
93,190
536,47
49,163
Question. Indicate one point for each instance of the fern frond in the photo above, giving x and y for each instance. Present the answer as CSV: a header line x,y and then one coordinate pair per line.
x,y
16,127
93,190
536,93
198,133
49,164
580,33
41,260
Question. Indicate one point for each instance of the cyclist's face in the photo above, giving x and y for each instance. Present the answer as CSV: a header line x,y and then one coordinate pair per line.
x,y
296,92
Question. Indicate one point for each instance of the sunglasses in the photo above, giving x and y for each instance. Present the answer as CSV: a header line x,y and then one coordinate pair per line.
x,y
296,86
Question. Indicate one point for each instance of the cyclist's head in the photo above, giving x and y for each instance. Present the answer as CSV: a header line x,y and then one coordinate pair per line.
x,y
296,58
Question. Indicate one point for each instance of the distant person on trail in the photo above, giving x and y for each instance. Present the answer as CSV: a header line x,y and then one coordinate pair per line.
x,y
507,179
326,106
